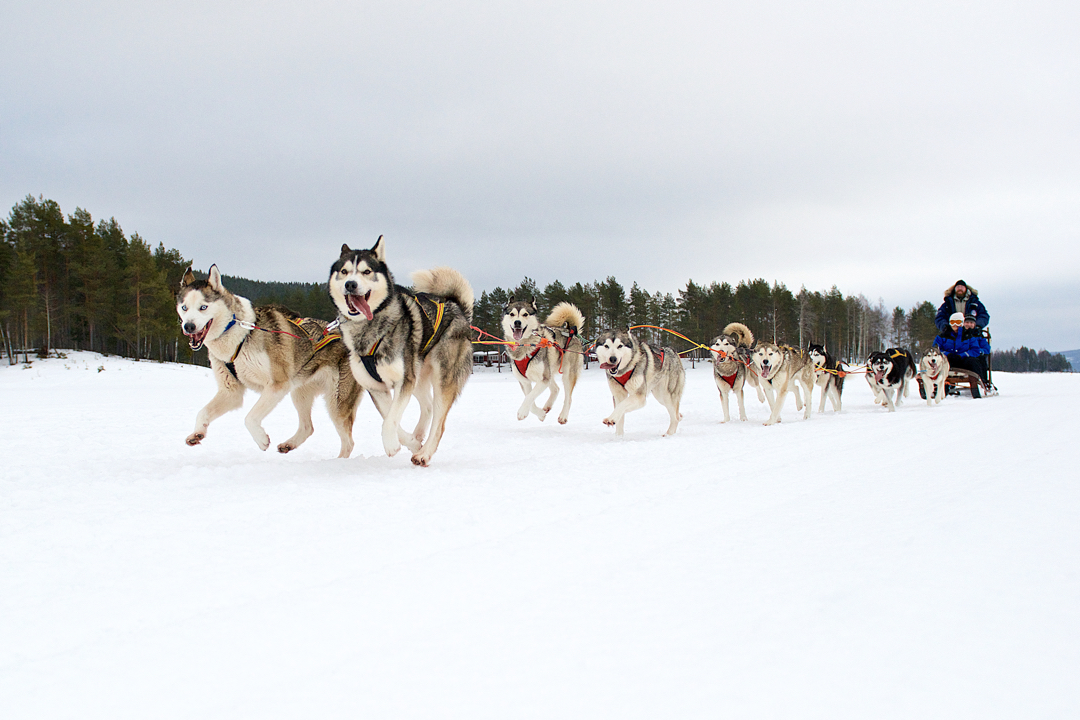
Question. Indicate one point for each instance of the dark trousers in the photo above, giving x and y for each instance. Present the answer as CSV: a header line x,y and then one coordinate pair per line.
x,y
976,365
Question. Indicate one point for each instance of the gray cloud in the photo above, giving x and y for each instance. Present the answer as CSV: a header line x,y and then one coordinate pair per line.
x,y
887,149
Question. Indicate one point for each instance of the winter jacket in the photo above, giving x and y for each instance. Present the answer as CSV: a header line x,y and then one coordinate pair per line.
x,y
972,303
965,343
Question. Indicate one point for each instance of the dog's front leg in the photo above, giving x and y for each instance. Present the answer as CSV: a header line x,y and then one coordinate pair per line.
x,y
776,402
632,401
267,401
532,391
230,396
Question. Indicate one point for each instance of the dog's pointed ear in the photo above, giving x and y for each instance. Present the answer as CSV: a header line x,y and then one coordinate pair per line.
x,y
345,250
189,277
215,278
532,301
379,251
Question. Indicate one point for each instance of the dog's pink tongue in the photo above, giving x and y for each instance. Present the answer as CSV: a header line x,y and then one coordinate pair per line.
x,y
518,332
606,365
878,375
359,303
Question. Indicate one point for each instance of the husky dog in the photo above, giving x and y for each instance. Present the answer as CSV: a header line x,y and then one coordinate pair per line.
x,y
890,370
634,369
934,369
268,350
729,368
779,368
404,342
828,375
536,363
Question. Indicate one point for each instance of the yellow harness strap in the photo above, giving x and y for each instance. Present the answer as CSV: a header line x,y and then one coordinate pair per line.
x,y
439,309
322,342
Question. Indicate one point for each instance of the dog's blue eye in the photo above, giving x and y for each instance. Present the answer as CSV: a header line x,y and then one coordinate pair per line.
x,y
184,308
203,307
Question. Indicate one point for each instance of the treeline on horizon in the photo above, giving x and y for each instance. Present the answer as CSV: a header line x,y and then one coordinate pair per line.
x,y
68,282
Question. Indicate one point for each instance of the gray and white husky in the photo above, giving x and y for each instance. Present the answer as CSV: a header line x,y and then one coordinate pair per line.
x,y
730,366
888,371
934,371
535,364
781,369
270,350
634,369
828,375
404,342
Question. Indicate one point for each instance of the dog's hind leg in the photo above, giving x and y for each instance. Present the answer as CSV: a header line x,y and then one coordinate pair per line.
x,y
422,393
303,398
342,404
569,381
267,401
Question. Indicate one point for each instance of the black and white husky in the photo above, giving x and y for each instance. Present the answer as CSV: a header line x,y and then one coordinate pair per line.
x,y
270,350
933,372
888,371
828,375
634,369
404,342
730,366
536,363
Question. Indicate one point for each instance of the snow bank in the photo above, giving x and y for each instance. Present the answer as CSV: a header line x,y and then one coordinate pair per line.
x,y
917,564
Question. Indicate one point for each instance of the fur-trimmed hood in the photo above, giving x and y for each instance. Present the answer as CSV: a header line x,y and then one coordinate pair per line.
x,y
971,291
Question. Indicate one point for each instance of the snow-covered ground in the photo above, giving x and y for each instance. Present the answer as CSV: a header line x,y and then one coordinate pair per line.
x,y
921,564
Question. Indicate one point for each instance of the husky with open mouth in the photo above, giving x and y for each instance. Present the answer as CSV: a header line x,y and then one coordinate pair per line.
x,y
404,342
828,375
933,372
781,369
536,363
888,371
634,369
270,350
730,366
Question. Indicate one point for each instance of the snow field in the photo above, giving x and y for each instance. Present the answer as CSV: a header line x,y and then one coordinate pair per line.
x,y
867,564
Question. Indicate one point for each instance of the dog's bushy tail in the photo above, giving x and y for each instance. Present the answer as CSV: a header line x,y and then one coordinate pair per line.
x,y
445,282
567,313
741,333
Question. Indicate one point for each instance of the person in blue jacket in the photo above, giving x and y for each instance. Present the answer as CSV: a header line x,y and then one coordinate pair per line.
x,y
964,299
964,343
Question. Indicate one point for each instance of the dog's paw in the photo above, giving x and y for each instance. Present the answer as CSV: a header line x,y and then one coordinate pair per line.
x,y
608,421
263,442
392,449
522,414
419,461
547,409
562,421
195,438
285,447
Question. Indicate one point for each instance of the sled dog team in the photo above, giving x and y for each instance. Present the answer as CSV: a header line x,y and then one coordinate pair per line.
x,y
398,343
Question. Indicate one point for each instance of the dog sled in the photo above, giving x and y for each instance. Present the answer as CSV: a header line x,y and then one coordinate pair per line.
x,y
959,380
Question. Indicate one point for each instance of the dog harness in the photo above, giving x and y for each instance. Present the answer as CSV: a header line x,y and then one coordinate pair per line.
x,y
730,379
369,362
625,377
523,364
431,327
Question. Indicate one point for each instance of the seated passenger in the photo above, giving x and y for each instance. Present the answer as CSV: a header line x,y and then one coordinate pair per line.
x,y
961,298
964,343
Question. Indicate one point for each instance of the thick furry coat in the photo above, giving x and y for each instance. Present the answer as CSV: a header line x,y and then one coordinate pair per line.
x,y
270,350
404,342
541,351
888,371
933,374
730,366
634,369
781,369
828,375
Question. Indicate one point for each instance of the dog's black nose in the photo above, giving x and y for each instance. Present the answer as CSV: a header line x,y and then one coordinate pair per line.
x,y
350,287
189,328
612,359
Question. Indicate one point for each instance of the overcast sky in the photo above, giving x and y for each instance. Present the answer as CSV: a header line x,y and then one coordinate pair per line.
x,y
887,148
